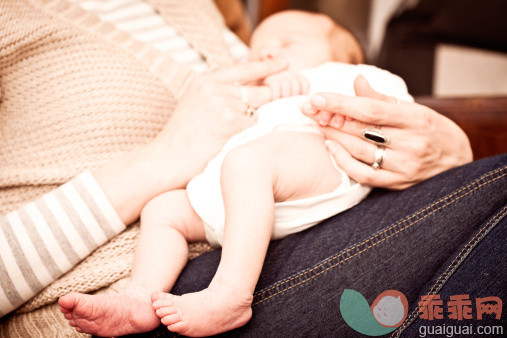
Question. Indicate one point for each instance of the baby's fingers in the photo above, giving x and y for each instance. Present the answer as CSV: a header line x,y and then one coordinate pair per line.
x,y
299,83
274,86
324,118
286,86
295,85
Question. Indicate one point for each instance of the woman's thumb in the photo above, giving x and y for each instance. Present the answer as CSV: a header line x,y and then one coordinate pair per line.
x,y
363,88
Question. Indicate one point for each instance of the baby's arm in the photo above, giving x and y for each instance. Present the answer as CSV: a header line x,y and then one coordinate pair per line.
x,y
278,167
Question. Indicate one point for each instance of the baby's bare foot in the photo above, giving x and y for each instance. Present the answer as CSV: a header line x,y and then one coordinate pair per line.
x,y
108,315
208,312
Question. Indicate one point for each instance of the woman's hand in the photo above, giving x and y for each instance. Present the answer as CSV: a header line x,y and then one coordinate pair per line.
x,y
422,144
210,112
213,109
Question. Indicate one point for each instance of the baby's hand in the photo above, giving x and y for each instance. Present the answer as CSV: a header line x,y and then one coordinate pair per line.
x,y
287,83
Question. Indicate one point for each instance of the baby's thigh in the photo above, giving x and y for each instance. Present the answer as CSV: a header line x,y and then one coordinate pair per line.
x,y
302,165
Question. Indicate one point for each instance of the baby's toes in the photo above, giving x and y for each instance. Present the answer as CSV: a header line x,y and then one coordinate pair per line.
x,y
165,311
158,295
171,319
64,310
179,327
154,296
163,302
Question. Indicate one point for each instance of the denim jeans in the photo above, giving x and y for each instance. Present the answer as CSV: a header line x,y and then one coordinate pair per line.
x,y
477,269
445,235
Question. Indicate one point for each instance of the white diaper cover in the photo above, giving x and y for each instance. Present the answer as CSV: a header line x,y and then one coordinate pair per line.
x,y
205,194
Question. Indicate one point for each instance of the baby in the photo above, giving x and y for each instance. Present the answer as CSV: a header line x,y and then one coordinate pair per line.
x,y
271,180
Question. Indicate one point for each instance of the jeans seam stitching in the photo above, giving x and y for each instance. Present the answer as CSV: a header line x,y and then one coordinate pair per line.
x,y
398,223
456,262
378,235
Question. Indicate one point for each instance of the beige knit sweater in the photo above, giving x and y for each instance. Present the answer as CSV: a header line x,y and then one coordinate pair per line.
x,y
74,93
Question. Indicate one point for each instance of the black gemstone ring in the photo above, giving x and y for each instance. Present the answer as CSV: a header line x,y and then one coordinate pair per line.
x,y
376,136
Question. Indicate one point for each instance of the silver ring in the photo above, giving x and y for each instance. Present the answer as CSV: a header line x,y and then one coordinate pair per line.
x,y
380,153
250,111
376,136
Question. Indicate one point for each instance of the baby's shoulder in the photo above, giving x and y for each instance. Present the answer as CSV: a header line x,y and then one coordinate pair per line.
x,y
339,78
346,70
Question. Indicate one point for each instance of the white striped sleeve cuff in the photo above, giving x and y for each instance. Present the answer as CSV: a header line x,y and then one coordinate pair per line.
x,y
47,237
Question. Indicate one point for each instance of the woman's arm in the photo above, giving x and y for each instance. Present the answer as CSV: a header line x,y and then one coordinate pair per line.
x,y
208,114
45,238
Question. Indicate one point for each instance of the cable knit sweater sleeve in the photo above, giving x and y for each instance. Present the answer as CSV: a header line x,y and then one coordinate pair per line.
x,y
59,229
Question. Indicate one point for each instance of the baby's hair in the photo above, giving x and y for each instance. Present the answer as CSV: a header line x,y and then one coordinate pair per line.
x,y
344,46
340,37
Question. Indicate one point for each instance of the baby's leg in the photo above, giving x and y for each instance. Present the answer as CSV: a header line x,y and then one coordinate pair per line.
x,y
247,188
250,180
167,223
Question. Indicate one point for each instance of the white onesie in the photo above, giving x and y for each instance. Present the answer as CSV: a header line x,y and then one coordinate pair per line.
x,y
204,191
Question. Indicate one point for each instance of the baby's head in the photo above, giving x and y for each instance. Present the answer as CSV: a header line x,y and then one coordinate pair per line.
x,y
304,39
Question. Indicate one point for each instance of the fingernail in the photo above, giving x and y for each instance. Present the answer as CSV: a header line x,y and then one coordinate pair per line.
x,y
331,146
318,101
308,109
323,121
337,121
